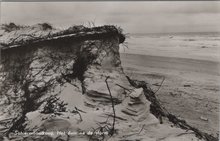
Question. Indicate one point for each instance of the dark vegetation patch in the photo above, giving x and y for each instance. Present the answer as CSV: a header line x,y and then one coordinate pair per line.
x,y
54,105
46,26
10,27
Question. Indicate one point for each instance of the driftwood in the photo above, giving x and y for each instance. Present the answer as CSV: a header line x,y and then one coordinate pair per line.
x,y
159,111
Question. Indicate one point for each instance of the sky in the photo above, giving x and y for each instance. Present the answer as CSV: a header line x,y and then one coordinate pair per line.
x,y
133,17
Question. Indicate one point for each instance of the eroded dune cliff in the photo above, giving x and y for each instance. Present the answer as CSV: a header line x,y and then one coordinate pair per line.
x,y
70,85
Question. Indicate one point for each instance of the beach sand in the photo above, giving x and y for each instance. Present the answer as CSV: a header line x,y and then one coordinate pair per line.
x,y
190,90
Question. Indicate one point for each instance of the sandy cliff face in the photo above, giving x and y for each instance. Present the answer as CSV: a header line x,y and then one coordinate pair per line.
x,y
74,88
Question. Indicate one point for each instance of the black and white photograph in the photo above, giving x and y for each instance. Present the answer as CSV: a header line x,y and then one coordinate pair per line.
x,y
109,70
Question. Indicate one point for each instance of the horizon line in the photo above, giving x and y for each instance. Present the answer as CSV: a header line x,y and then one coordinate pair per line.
x,y
177,32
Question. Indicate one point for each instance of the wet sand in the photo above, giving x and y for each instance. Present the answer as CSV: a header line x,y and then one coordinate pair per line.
x,y
191,88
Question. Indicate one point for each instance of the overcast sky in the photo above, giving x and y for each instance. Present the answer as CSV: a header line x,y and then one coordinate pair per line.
x,y
133,17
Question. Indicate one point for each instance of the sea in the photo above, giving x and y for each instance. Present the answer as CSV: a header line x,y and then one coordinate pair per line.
x,y
196,45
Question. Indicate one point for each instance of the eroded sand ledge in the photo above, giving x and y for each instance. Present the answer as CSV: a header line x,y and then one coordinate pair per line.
x,y
46,67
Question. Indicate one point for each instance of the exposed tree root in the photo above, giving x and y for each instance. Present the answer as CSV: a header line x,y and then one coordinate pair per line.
x,y
112,131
